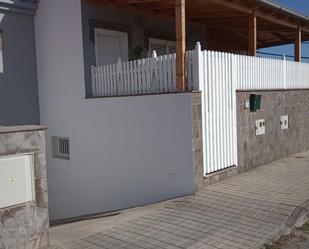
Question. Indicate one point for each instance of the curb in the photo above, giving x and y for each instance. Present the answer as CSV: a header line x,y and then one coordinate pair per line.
x,y
299,215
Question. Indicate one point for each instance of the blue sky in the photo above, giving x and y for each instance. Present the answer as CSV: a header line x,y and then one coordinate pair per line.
x,y
301,6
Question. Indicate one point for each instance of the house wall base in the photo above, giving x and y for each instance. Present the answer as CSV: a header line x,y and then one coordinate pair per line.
x,y
220,175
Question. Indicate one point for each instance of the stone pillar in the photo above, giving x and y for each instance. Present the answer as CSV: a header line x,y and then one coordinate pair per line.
x,y
26,225
197,140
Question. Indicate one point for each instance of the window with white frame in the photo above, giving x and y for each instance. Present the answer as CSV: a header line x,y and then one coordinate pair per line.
x,y
1,53
161,46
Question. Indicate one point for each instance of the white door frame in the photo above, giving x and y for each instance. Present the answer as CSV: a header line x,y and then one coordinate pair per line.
x,y
124,49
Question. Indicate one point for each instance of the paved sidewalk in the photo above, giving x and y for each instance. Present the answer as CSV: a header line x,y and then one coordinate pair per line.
x,y
242,212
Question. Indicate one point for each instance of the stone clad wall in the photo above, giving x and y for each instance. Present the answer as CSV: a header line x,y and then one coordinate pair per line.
x,y
197,140
276,143
26,226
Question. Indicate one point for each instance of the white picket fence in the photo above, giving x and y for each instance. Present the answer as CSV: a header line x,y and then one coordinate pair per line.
x,y
218,75
264,73
297,75
145,76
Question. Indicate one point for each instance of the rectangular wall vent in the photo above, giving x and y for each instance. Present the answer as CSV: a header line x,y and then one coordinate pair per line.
x,y
61,147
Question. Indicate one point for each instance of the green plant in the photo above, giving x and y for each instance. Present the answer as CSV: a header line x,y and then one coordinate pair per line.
x,y
270,246
304,228
137,52
283,240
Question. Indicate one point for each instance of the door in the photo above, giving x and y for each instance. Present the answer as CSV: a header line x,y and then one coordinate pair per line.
x,y
110,45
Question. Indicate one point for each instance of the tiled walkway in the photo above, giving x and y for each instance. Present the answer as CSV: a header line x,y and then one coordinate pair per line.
x,y
241,212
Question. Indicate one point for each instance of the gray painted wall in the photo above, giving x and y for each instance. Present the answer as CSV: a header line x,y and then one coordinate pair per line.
x,y
276,143
18,84
124,151
138,26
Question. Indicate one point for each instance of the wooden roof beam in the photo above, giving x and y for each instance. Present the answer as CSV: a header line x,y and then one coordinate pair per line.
x,y
278,36
219,15
180,21
252,46
233,5
259,14
131,8
142,1
297,46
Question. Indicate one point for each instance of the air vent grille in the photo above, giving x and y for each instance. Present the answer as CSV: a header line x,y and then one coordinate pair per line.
x,y
61,147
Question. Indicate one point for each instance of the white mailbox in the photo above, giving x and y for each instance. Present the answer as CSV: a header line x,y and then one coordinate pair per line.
x,y
260,127
16,180
284,122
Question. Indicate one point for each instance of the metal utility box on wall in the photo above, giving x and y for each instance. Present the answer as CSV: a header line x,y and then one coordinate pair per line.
x,y
284,122
260,127
255,102
16,180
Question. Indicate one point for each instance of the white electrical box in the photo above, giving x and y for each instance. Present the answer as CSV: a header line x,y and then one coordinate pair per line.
x,y
247,104
284,122
260,127
16,180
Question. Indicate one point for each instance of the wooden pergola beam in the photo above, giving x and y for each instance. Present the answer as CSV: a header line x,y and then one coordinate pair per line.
x,y
232,5
143,1
230,17
252,46
259,13
180,21
297,46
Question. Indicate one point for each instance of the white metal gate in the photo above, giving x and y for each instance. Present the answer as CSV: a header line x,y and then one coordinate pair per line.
x,y
217,83
219,99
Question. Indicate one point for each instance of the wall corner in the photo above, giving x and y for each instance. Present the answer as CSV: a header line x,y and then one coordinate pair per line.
x,y
197,140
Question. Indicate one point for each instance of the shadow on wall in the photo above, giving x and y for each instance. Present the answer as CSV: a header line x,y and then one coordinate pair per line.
x,y
19,92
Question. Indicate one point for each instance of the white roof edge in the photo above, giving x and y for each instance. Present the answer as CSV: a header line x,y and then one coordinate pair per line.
x,y
284,9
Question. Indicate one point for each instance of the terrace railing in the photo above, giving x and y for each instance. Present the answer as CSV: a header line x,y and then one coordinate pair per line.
x,y
145,76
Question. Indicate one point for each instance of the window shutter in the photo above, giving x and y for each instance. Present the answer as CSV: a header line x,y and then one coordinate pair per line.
x,y
157,45
162,47
171,47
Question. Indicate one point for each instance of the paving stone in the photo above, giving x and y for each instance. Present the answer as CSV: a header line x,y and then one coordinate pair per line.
x,y
241,213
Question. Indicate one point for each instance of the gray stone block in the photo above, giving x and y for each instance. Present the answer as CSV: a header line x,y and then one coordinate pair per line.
x,y
255,150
